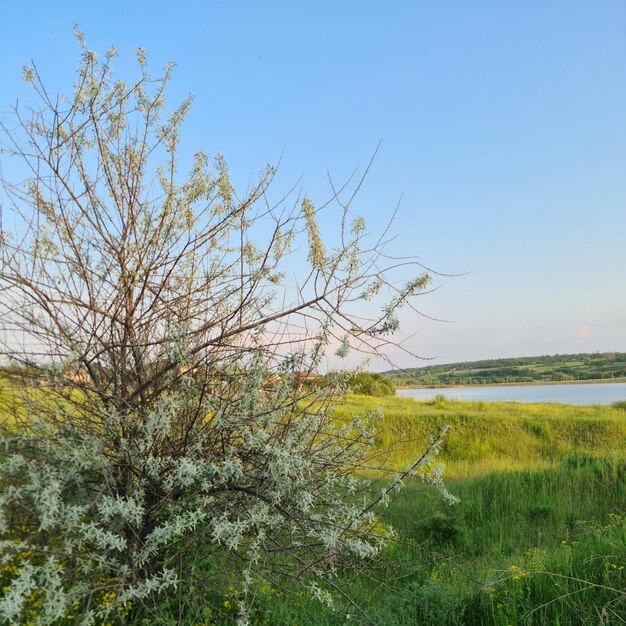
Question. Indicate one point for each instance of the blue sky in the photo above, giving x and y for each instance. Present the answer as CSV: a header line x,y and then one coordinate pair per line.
x,y
503,130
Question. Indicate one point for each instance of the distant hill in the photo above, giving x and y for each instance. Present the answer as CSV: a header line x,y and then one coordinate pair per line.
x,y
556,368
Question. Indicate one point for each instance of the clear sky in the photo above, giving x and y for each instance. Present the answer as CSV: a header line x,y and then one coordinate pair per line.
x,y
503,130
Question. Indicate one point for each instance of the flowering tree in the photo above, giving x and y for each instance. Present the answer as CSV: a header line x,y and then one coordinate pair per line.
x,y
157,431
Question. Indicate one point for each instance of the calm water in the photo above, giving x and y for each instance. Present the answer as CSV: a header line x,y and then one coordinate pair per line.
x,y
596,393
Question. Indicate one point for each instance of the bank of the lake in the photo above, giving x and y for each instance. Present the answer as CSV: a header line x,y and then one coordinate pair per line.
x,y
490,436
582,381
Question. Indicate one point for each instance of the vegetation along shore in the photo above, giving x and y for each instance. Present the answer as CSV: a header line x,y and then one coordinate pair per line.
x,y
583,381
559,368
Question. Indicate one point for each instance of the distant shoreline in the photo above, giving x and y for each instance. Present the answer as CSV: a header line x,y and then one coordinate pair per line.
x,y
587,381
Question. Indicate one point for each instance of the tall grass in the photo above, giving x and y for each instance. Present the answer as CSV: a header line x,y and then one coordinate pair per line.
x,y
504,513
538,538
539,535
523,547
489,436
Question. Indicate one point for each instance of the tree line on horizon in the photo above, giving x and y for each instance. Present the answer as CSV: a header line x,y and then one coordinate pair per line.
x,y
546,368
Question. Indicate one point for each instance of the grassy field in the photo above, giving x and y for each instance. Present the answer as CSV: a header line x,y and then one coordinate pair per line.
x,y
490,436
524,547
537,538
539,534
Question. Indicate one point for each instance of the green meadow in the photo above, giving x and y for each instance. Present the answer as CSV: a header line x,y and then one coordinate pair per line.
x,y
490,436
524,547
538,536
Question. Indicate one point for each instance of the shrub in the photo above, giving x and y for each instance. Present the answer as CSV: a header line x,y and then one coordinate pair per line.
x,y
371,384
169,420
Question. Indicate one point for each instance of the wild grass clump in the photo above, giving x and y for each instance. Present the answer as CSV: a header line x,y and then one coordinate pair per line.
x,y
504,513
582,581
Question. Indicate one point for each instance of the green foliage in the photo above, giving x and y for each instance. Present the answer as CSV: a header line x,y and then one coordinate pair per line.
x,y
371,384
557,368
443,528
561,377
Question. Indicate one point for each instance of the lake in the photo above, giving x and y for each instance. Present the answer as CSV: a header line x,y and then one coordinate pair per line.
x,y
590,393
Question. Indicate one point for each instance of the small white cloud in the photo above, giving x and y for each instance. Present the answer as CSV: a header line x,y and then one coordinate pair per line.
x,y
584,331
